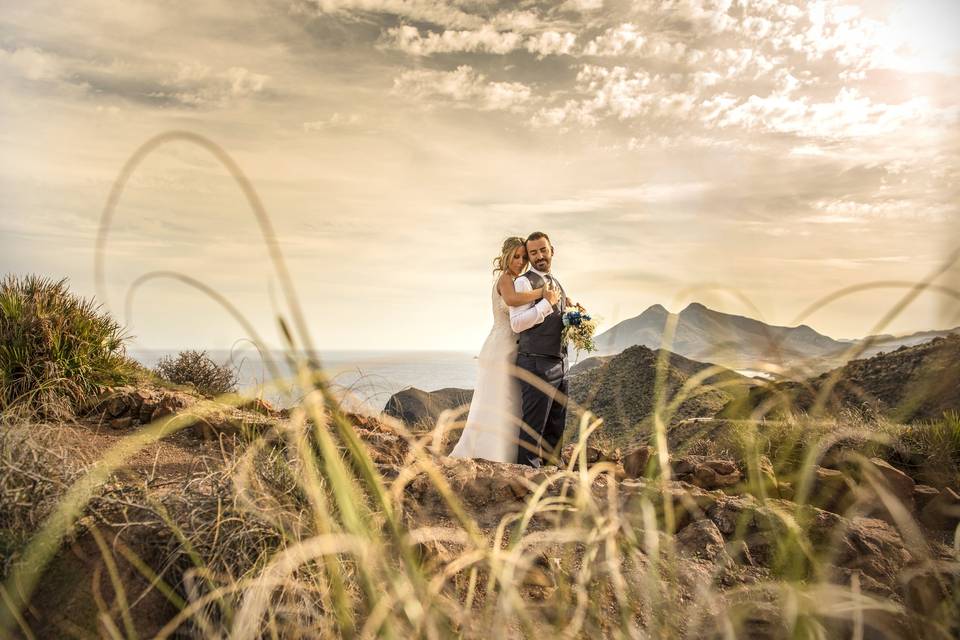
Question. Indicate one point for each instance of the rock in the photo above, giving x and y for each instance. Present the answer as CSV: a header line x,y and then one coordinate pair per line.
x,y
928,589
117,406
727,513
722,467
416,407
682,467
635,462
922,495
786,490
870,545
145,413
593,455
943,511
121,423
170,403
707,474
831,490
702,539
897,482
726,481
705,477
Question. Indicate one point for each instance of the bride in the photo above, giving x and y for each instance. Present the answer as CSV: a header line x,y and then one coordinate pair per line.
x,y
492,425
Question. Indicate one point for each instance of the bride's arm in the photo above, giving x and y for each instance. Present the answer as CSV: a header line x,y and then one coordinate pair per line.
x,y
510,295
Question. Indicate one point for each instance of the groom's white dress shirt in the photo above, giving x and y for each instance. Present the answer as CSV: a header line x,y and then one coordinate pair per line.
x,y
529,314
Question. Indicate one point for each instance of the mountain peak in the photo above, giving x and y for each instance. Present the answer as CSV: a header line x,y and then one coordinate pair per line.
x,y
695,306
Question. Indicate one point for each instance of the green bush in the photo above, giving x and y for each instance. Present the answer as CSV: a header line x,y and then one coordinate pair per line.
x,y
57,350
197,369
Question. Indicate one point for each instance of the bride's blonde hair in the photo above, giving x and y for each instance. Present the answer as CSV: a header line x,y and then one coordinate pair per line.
x,y
506,253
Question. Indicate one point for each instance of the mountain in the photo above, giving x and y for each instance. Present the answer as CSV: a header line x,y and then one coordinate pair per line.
x,y
885,343
731,340
620,389
910,384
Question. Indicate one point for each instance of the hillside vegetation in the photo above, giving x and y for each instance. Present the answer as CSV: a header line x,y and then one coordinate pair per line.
x,y
624,389
921,382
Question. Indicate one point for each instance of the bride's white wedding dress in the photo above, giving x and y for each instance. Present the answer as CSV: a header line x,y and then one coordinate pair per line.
x,y
492,426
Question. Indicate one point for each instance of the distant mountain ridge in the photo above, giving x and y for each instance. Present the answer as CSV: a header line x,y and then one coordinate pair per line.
x,y
911,383
740,342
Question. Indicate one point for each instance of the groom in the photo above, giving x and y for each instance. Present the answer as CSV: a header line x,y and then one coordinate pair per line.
x,y
541,352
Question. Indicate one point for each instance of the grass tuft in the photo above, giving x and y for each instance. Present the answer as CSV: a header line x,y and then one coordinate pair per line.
x,y
57,350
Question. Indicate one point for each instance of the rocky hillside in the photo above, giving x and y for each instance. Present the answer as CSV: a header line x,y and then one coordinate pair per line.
x,y
734,341
714,545
911,383
620,389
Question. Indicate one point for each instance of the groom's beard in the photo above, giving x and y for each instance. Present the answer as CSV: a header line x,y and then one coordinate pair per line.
x,y
542,265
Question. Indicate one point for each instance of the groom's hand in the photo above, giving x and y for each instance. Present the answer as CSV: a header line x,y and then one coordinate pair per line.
x,y
551,295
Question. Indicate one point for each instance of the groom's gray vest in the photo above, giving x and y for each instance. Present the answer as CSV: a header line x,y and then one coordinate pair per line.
x,y
546,338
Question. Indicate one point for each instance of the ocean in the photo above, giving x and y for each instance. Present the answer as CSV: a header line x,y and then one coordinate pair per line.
x,y
364,379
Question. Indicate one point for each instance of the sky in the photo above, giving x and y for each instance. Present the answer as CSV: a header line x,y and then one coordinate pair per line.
x,y
753,156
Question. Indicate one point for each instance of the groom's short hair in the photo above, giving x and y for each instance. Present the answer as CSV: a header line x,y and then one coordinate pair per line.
x,y
536,235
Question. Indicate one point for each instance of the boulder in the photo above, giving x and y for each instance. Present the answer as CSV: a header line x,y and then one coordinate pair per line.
x,y
922,495
707,473
117,406
831,490
702,539
635,462
171,403
929,589
897,482
593,454
943,511
870,545
119,424
416,407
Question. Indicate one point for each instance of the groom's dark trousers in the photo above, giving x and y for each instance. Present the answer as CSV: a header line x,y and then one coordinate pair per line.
x,y
543,412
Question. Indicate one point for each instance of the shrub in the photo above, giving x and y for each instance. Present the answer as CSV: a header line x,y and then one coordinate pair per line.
x,y
57,350
197,369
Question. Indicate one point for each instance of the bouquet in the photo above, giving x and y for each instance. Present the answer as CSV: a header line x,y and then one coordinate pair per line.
x,y
578,329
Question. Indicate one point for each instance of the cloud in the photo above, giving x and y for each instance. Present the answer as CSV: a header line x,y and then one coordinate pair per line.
x,y
186,83
436,12
462,87
551,43
846,210
30,63
336,121
484,40
849,115
197,86
624,39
